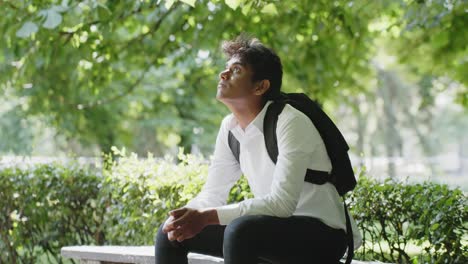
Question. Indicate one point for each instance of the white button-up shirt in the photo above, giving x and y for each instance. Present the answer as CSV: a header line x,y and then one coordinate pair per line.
x,y
279,190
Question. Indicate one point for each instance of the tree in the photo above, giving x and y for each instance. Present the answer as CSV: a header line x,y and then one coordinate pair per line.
x,y
106,70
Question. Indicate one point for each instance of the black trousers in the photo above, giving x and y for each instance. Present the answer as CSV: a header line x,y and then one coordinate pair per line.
x,y
259,239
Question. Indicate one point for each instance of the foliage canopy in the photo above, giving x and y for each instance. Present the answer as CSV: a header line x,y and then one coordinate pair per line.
x,y
102,71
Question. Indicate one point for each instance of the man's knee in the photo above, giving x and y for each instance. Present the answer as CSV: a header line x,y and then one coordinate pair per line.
x,y
161,237
241,236
241,229
162,240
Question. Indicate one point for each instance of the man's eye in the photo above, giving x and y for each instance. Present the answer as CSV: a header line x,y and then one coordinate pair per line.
x,y
236,70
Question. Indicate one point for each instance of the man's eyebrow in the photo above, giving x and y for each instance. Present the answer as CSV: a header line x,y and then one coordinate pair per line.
x,y
235,63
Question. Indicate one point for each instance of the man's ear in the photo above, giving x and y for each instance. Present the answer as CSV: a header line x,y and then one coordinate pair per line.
x,y
262,87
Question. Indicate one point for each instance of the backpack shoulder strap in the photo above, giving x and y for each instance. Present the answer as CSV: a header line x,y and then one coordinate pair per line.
x,y
271,142
269,128
234,145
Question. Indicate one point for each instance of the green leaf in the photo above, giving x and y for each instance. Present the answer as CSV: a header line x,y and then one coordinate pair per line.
x,y
27,29
246,8
53,19
169,3
440,40
299,37
189,2
59,8
270,9
234,4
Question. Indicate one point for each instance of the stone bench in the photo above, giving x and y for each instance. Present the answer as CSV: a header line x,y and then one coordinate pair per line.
x,y
133,254
124,254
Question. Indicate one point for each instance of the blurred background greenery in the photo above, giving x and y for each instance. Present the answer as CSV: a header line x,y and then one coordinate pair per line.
x,y
83,78
78,77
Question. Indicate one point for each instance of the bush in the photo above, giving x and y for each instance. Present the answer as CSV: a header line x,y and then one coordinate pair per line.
x,y
49,206
45,208
394,216
140,193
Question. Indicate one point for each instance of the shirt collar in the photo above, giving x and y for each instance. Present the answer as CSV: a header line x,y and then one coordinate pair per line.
x,y
257,122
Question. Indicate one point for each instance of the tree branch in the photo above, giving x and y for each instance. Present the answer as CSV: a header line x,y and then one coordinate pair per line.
x,y
10,4
97,21
153,29
133,86
130,88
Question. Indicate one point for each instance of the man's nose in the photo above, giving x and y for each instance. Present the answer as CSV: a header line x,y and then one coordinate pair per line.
x,y
224,75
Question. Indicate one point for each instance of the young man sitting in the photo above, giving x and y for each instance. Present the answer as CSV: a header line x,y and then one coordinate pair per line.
x,y
289,220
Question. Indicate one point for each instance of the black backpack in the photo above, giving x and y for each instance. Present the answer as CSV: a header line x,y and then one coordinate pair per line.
x,y
342,174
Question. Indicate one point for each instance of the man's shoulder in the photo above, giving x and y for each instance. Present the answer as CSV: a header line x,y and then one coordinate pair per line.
x,y
294,119
290,113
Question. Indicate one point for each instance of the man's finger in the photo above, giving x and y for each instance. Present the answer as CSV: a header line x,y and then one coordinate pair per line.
x,y
177,234
175,224
168,228
179,222
171,236
178,212
180,238
168,225
179,219
180,234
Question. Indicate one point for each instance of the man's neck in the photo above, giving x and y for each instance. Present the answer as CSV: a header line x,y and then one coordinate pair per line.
x,y
245,112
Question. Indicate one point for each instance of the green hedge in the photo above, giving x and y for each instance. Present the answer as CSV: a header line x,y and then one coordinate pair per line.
x,y
397,219
45,207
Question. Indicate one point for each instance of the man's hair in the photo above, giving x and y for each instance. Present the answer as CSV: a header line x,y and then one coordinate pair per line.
x,y
265,63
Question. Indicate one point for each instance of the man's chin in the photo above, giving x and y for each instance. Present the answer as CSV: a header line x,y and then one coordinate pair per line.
x,y
219,95
220,98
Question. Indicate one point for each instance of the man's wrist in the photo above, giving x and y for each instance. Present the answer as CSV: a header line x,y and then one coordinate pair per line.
x,y
210,216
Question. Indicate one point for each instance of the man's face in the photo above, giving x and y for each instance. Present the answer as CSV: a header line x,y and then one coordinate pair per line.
x,y
235,82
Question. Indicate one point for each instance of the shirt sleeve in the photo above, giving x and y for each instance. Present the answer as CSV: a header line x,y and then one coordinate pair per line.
x,y
223,172
295,147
